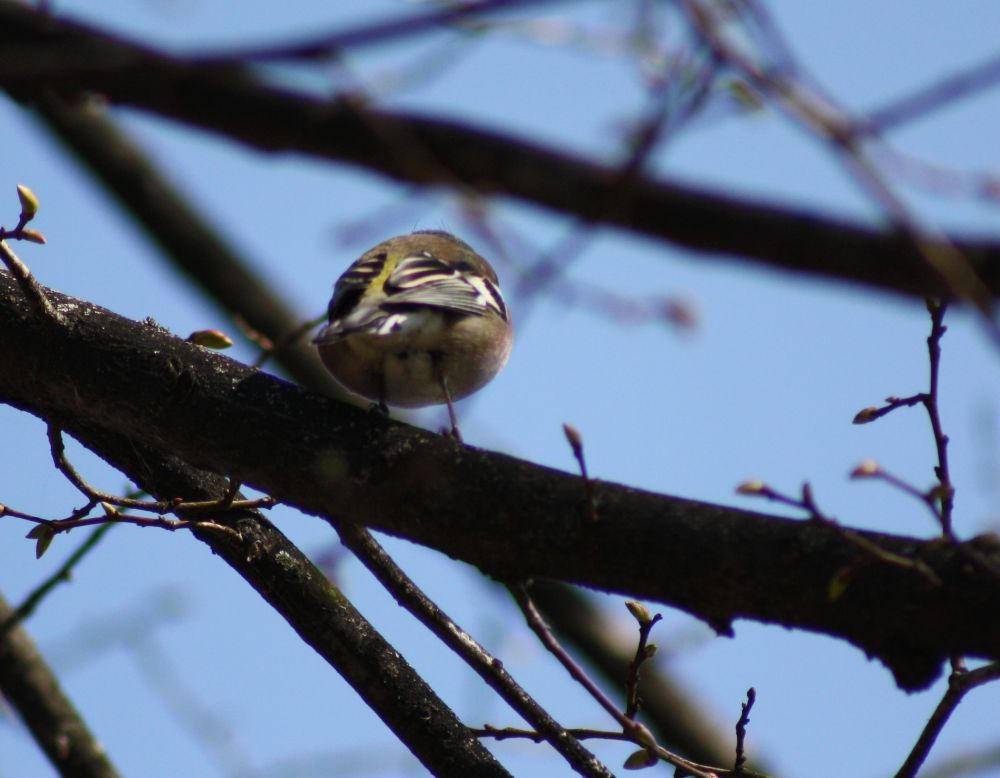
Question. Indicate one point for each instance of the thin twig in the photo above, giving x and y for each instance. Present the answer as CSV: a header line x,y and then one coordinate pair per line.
x,y
268,348
580,733
843,134
872,549
866,415
32,290
741,730
940,499
638,733
959,684
643,652
112,502
327,45
946,492
576,444
490,669
554,263
869,469
935,96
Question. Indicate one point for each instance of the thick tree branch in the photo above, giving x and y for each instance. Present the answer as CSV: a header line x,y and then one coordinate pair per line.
x,y
182,233
513,519
30,686
42,52
310,603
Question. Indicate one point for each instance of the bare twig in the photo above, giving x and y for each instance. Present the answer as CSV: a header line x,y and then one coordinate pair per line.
x,y
934,96
741,730
29,286
269,349
114,506
929,498
51,374
643,651
320,613
679,722
181,231
576,444
637,732
946,492
870,414
959,684
407,594
328,45
663,116
808,503
217,737
231,103
844,134
941,498
509,733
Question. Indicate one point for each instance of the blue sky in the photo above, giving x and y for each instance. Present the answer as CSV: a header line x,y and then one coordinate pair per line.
x,y
765,386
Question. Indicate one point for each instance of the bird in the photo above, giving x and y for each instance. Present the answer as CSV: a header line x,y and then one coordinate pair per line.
x,y
417,320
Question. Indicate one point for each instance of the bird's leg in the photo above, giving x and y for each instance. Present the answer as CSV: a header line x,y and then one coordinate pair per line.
x,y
380,407
443,380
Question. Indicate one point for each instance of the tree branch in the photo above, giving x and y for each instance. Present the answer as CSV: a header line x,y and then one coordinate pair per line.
x,y
309,602
181,232
42,53
332,459
680,723
30,686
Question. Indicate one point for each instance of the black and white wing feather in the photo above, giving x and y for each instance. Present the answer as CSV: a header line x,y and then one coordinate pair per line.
x,y
422,279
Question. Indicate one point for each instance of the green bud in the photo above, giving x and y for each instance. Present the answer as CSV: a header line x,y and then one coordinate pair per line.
x,y
32,236
866,415
639,611
29,203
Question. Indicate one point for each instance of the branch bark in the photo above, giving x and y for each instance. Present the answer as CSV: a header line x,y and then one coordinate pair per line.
x,y
42,52
511,518
321,615
28,683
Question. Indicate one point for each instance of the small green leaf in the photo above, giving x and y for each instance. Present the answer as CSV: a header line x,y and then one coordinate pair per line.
x,y
640,760
43,535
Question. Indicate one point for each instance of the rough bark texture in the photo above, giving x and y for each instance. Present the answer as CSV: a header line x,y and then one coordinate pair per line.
x,y
310,603
511,518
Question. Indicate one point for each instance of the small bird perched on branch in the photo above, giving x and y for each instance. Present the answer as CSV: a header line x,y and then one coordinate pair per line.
x,y
417,320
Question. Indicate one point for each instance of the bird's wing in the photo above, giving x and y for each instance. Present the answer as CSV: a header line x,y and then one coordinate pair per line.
x,y
424,280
